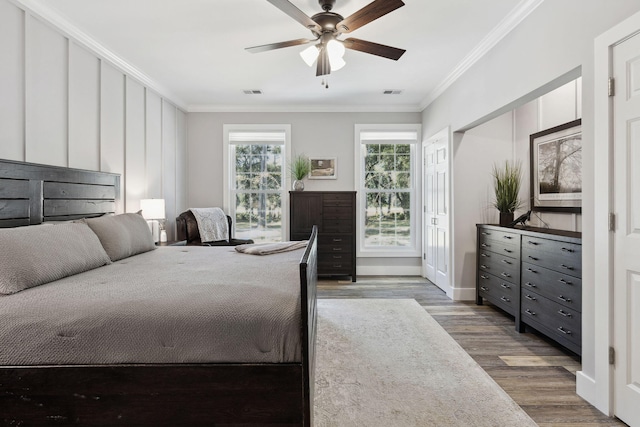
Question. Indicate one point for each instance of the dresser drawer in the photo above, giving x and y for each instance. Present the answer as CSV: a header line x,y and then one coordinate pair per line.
x,y
331,240
500,292
507,268
561,288
506,246
563,322
337,212
334,262
337,199
337,225
552,254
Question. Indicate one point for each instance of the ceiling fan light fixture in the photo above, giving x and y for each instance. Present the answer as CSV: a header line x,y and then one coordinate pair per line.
x,y
335,51
309,55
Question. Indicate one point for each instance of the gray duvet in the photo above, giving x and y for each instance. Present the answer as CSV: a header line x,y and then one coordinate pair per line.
x,y
171,305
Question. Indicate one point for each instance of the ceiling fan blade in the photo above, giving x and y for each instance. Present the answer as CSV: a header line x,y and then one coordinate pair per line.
x,y
370,12
288,8
272,46
374,48
324,67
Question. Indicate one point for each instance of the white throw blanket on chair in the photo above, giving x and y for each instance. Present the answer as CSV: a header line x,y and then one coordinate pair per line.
x,y
212,224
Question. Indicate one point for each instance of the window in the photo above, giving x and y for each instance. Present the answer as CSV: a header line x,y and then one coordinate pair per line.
x,y
387,171
256,180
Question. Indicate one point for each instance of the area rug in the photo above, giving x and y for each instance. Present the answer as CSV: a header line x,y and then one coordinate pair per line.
x,y
387,362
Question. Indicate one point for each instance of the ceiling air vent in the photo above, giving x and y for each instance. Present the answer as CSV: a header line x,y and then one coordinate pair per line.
x,y
252,92
392,92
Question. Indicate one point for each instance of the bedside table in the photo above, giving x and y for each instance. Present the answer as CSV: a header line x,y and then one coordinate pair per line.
x,y
172,243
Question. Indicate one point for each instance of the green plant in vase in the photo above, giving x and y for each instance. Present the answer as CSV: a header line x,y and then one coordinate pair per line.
x,y
299,169
506,182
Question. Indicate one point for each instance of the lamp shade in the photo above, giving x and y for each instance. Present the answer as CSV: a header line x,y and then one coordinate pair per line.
x,y
152,208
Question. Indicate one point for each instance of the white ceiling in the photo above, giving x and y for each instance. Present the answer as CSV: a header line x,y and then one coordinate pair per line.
x,y
194,49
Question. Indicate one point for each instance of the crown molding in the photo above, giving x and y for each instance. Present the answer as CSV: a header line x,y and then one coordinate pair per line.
x,y
45,13
511,21
212,108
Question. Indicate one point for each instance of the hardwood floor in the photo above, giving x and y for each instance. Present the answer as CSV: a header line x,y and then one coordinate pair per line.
x,y
536,373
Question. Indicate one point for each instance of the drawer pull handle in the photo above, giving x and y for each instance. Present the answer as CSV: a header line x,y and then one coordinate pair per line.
x,y
507,251
564,313
337,265
484,267
337,249
505,274
529,312
562,298
531,270
533,258
506,286
337,240
505,299
484,288
482,276
564,331
484,245
337,257
529,284
507,237
532,242
484,233
567,267
566,249
506,262
564,282
485,255
530,298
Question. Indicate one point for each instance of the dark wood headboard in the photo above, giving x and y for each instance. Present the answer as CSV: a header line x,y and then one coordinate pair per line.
x,y
32,194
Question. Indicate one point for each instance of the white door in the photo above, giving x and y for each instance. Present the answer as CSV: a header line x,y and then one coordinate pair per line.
x,y
435,264
626,283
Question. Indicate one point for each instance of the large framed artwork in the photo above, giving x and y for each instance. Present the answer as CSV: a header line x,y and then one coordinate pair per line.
x,y
556,168
323,168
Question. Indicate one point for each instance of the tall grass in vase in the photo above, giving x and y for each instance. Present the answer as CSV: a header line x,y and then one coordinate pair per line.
x,y
506,182
299,169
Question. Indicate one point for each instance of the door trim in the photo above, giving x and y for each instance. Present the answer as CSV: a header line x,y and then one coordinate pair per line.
x,y
597,387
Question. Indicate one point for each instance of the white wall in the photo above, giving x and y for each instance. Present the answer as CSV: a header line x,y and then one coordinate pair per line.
x,y
312,134
62,104
553,46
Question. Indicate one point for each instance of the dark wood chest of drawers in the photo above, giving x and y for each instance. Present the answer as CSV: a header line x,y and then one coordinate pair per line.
x,y
334,212
535,275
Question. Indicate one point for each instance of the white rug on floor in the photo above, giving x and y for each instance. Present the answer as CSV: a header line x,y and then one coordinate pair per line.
x,y
386,362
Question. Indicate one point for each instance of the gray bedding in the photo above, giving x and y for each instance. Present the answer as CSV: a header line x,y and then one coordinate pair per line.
x,y
171,305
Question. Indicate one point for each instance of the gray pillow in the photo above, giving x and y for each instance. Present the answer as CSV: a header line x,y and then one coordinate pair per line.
x,y
122,235
32,256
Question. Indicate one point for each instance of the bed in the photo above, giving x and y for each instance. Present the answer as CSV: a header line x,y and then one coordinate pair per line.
x,y
152,380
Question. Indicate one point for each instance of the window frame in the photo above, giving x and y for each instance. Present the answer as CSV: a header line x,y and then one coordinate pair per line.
x,y
228,167
415,249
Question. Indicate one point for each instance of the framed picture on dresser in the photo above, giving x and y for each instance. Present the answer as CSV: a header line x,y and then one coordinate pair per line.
x,y
323,168
556,168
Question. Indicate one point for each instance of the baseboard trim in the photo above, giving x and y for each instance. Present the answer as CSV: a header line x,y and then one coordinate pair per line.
x,y
586,387
389,270
463,294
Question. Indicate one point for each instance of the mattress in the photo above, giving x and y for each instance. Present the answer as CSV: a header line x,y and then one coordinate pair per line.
x,y
186,304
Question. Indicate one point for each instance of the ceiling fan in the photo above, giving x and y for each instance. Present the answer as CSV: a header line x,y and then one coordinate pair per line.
x,y
327,26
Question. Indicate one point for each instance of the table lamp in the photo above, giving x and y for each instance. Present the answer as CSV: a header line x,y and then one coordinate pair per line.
x,y
153,212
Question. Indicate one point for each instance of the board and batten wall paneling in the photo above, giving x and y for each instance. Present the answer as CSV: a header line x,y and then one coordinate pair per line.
x,y
169,165
181,163
154,145
84,109
112,123
11,82
46,94
135,145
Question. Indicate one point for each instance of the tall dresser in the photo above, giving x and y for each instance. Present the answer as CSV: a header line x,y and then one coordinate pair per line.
x,y
534,274
334,212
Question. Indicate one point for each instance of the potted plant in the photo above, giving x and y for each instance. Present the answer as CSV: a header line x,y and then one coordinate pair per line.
x,y
299,169
506,182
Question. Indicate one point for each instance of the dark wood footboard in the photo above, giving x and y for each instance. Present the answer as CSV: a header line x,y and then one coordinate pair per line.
x,y
308,282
